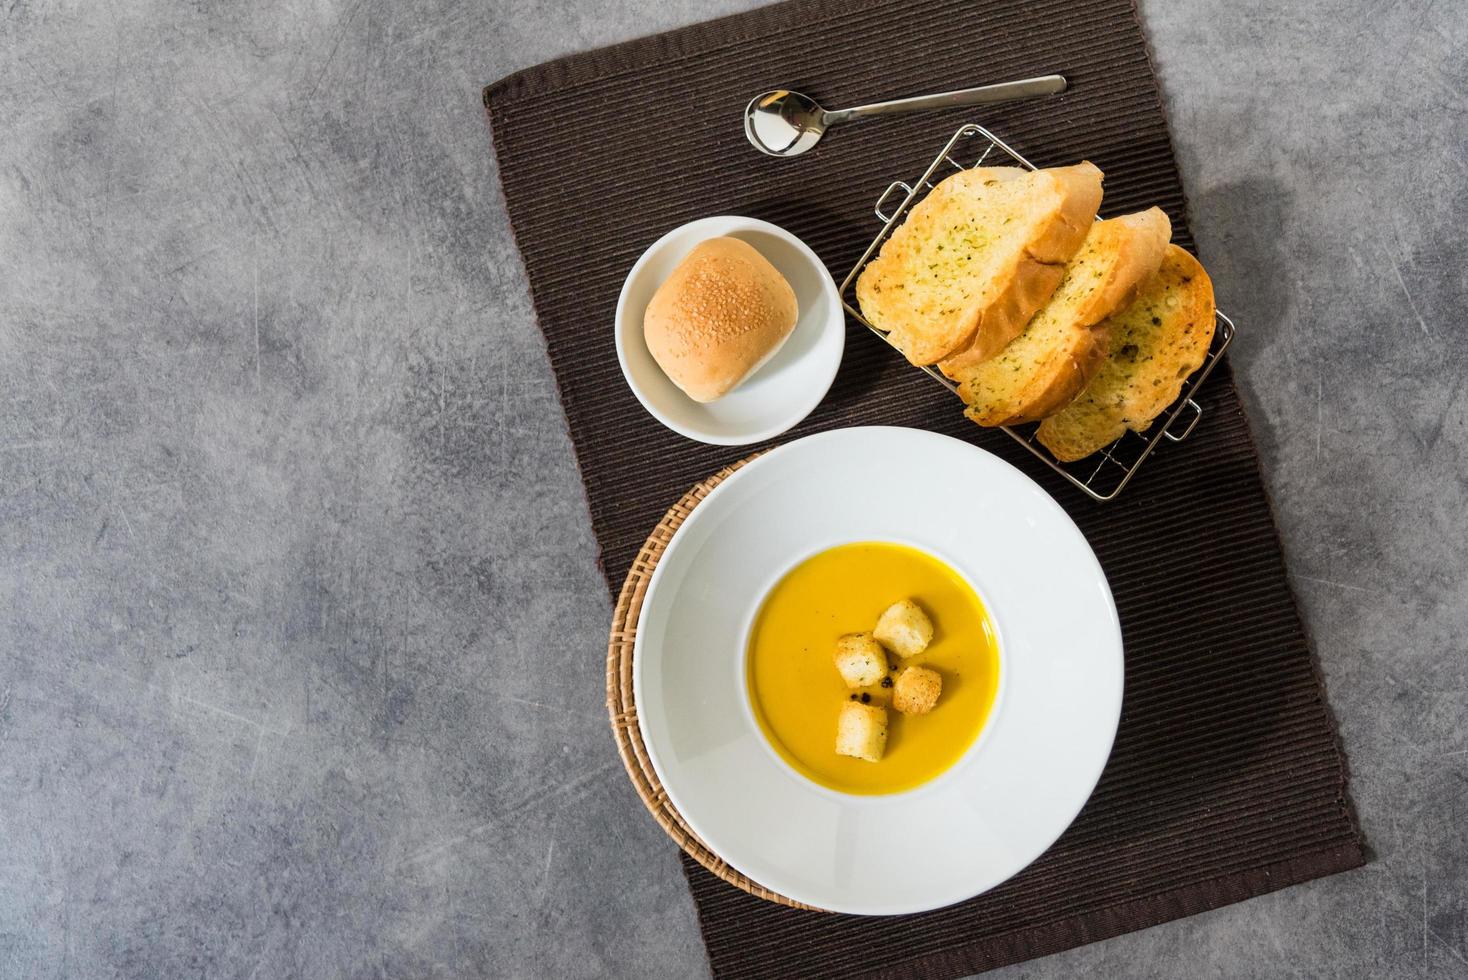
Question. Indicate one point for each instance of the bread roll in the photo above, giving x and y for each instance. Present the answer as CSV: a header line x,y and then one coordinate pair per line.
x,y
723,312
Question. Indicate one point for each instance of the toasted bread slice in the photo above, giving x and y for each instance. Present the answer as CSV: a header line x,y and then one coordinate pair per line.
x,y
976,257
1062,348
1156,343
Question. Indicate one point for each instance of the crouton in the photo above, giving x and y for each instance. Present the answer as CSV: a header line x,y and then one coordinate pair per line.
x,y
904,629
861,731
860,659
916,690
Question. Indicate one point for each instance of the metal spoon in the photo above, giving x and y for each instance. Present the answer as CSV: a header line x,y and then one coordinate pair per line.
x,y
786,124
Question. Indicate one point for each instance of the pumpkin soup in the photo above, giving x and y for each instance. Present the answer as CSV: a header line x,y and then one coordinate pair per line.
x,y
798,693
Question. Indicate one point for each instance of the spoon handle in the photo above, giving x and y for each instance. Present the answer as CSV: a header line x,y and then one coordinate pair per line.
x,y
1025,89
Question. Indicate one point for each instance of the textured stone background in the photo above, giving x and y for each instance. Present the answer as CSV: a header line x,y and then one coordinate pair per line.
x,y
300,637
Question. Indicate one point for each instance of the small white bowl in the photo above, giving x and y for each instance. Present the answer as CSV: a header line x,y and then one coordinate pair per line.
x,y
786,388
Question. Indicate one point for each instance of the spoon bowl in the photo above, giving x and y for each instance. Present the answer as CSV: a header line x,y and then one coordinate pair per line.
x,y
784,123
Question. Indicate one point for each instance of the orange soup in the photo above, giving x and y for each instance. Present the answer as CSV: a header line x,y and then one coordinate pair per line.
x,y
797,692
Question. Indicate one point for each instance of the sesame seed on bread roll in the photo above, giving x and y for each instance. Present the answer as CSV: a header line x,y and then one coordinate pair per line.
x,y
723,313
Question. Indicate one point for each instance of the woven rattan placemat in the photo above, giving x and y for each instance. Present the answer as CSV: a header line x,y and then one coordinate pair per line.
x,y
1226,780
622,706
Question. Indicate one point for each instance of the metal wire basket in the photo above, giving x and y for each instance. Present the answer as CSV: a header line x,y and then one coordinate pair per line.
x,y
1103,475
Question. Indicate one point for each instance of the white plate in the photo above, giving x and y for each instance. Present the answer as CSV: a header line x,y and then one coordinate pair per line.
x,y
786,388
1042,749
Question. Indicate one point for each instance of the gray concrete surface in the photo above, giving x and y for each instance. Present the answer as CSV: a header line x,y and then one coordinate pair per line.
x,y
300,637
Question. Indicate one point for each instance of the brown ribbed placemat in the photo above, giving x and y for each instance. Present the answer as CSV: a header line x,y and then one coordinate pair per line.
x,y
622,704
1226,780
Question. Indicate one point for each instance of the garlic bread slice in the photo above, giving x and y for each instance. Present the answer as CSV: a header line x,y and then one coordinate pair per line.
x,y
976,257
1156,343
1062,348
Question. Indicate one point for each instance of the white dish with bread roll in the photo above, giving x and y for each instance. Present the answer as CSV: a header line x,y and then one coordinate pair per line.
x,y
729,330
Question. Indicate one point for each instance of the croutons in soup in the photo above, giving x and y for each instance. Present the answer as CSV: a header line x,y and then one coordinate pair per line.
x,y
872,667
